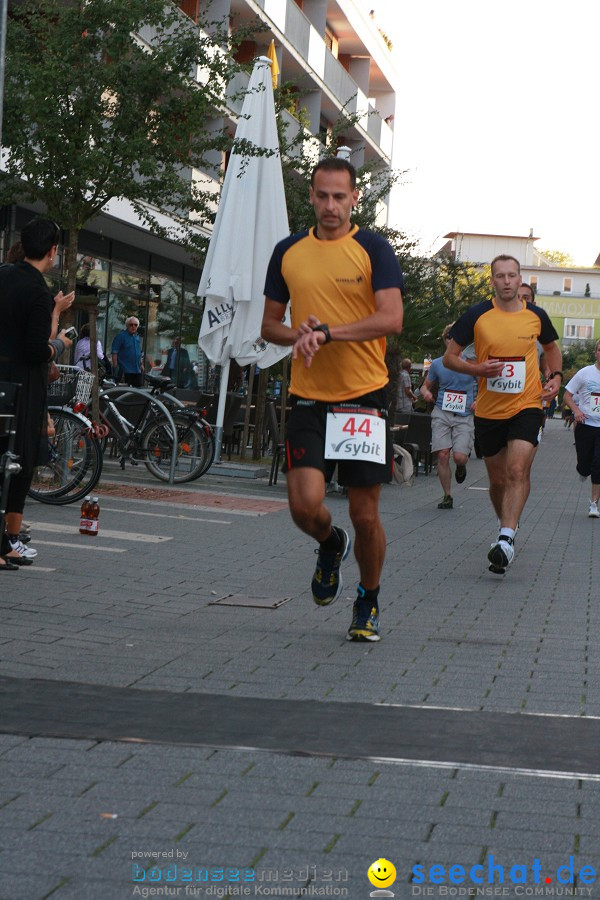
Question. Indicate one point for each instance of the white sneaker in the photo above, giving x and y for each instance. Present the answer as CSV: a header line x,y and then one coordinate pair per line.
x,y
593,511
26,552
501,555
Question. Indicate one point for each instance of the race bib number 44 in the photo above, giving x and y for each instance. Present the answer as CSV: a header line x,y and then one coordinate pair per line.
x,y
355,433
512,378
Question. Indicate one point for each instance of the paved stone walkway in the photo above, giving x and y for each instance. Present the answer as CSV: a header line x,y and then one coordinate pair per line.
x,y
136,609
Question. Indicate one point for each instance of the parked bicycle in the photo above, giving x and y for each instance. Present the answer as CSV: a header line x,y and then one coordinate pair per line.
x,y
74,455
139,431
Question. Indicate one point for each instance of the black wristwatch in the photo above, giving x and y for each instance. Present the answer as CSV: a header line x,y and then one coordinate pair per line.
x,y
325,329
558,372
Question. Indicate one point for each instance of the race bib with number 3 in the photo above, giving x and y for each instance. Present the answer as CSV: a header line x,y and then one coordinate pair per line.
x,y
355,433
512,378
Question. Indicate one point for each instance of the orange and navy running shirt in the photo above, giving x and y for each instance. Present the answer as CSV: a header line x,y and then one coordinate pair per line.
x,y
335,281
512,337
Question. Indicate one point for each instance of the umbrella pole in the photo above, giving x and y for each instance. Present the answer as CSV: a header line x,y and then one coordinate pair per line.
x,y
251,372
221,409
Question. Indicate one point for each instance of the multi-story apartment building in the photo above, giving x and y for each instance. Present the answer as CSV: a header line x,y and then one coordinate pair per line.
x,y
570,295
334,54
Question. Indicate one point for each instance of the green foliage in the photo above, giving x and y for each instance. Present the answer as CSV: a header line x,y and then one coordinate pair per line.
x,y
564,260
576,356
94,113
438,291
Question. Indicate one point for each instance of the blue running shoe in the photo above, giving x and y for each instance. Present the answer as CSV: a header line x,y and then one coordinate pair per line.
x,y
365,621
327,580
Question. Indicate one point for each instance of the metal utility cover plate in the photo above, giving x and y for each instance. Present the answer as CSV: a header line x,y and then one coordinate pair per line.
x,y
242,600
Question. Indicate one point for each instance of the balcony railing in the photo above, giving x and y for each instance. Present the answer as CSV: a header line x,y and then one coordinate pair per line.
x,y
297,28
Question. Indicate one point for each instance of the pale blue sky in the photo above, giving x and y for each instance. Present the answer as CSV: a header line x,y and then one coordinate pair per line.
x,y
496,119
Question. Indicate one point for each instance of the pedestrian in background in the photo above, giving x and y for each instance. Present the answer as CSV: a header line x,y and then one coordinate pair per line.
x,y
126,352
585,385
406,395
451,420
83,353
26,348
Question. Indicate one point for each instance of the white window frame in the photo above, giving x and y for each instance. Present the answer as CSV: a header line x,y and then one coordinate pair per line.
x,y
576,325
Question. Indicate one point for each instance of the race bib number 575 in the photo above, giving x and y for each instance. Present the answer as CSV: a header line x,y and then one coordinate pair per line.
x,y
355,433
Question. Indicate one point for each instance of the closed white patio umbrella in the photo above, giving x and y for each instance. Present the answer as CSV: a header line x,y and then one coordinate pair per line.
x,y
251,218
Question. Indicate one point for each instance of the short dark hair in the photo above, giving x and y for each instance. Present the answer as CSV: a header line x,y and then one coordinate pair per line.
x,y
504,257
525,284
38,237
85,330
334,164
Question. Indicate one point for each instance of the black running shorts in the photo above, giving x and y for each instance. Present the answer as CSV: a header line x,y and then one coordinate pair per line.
x,y
493,435
305,443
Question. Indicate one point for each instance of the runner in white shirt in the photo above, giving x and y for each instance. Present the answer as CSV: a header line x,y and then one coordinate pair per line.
x,y
586,410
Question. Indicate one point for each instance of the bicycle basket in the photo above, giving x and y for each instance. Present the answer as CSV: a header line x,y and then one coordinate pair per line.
x,y
72,384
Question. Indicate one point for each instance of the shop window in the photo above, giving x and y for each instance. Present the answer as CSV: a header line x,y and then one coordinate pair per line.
x,y
92,270
132,280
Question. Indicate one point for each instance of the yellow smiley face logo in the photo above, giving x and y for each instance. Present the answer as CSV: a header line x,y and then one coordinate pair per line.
x,y
381,873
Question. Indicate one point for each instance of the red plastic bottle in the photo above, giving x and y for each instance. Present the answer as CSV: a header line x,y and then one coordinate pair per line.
x,y
84,522
94,524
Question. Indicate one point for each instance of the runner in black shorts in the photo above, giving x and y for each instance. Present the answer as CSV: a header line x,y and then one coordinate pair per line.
x,y
305,442
339,274
508,411
494,434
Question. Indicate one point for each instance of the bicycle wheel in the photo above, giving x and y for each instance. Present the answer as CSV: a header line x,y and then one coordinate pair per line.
x,y
74,463
195,448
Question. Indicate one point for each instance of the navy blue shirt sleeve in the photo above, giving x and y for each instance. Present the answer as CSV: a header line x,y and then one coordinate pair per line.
x,y
548,332
463,330
385,268
275,286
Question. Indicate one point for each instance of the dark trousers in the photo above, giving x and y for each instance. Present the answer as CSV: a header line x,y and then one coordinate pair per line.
x,y
133,379
587,445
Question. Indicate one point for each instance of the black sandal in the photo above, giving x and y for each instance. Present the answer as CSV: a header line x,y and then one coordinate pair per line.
x,y
8,566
